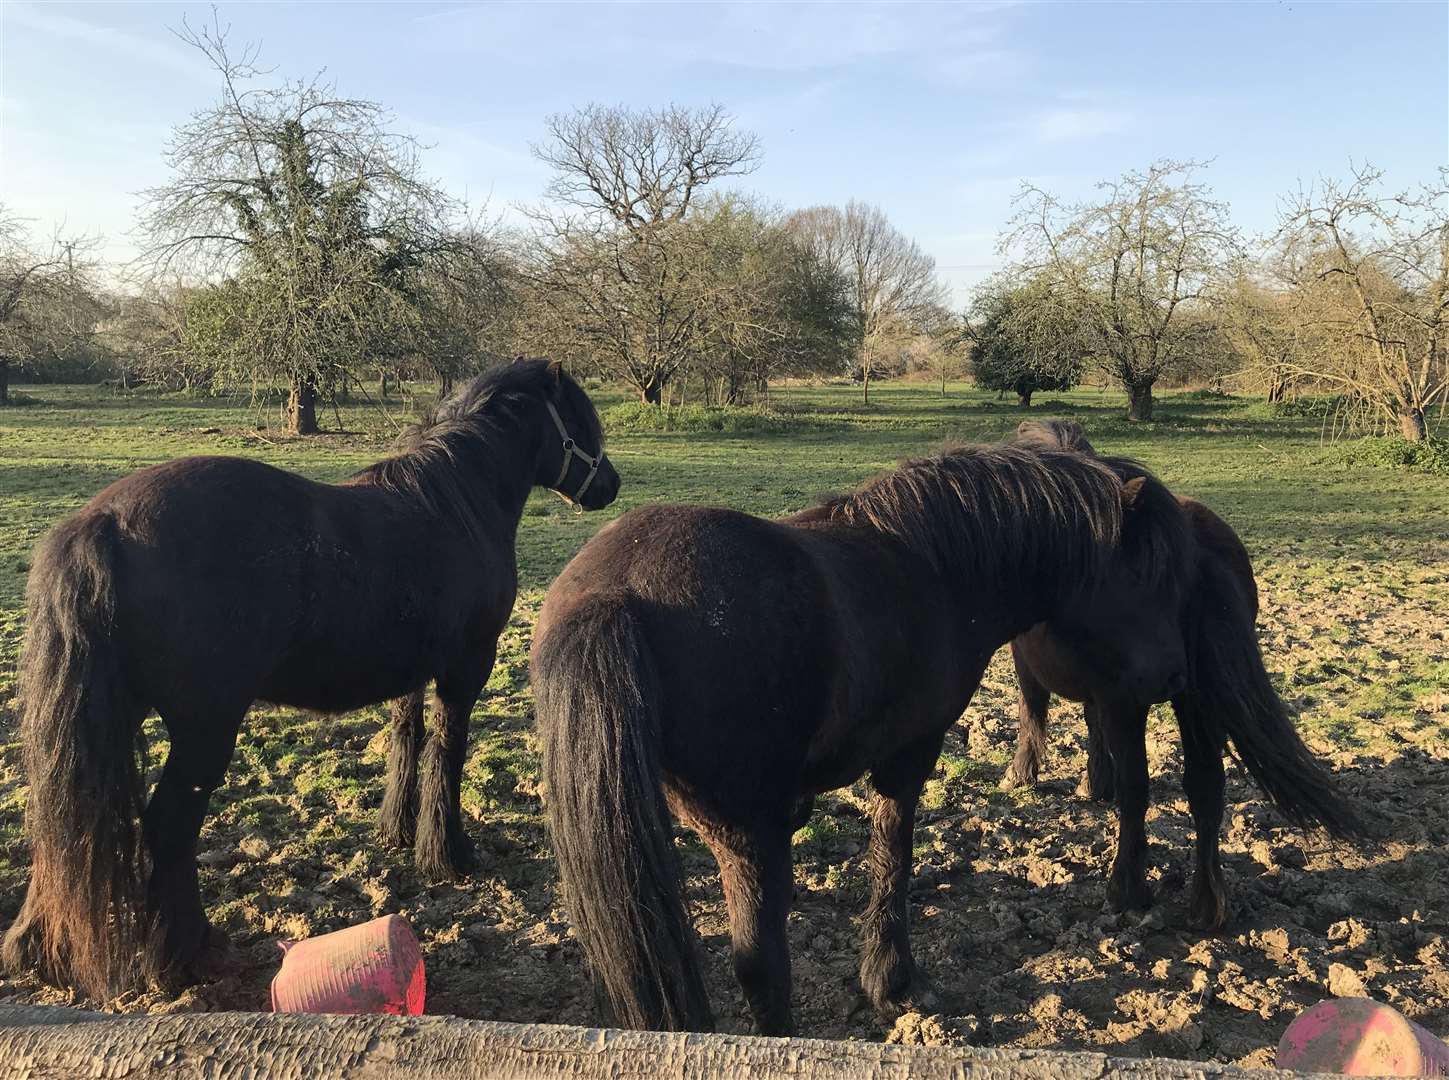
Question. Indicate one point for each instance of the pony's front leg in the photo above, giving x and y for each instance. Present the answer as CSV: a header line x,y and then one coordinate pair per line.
x,y
1125,732
399,817
1032,703
888,974
1203,743
754,866
442,850
1100,782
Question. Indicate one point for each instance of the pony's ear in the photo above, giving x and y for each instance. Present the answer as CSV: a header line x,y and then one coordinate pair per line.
x,y
1131,490
555,369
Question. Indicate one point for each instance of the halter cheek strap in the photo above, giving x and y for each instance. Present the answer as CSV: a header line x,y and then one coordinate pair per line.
x,y
572,450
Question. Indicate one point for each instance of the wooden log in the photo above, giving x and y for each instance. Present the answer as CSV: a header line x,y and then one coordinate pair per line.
x,y
38,1044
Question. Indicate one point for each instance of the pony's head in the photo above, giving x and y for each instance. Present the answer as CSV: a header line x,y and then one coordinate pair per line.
x,y
1131,623
1140,603
1053,435
571,458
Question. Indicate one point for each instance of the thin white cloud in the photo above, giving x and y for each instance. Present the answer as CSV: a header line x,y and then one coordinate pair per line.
x,y
950,42
1068,124
162,51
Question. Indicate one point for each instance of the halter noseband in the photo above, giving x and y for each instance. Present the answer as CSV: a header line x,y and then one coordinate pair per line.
x,y
572,450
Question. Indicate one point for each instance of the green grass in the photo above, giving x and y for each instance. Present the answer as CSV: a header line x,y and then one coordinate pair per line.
x,y
1353,558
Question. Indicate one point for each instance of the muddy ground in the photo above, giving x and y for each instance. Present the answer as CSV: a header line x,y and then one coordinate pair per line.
x,y
1009,886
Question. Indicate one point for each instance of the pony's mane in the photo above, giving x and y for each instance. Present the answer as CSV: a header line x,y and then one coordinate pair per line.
x,y
978,514
1158,539
463,433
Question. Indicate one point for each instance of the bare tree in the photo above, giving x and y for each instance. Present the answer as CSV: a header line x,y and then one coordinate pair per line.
x,y
147,334
1134,262
303,214
614,264
1267,329
641,169
47,296
890,280
466,304
1371,269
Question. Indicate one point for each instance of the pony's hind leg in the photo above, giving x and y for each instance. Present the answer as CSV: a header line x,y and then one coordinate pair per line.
x,y
1033,700
1125,732
1203,743
755,871
399,817
1100,782
184,947
888,974
442,849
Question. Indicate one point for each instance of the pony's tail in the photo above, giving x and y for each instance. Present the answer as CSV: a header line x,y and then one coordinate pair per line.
x,y
1233,690
597,699
81,748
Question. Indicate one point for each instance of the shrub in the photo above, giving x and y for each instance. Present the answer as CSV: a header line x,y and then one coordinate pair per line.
x,y
1317,406
1204,393
1391,452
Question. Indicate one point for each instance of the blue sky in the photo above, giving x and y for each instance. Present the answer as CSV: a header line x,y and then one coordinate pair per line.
x,y
934,111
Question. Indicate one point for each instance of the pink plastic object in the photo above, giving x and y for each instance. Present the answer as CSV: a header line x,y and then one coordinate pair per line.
x,y
1359,1037
373,968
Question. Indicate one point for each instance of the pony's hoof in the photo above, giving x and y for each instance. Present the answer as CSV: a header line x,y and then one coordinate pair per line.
x,y
1098,791
463,854
920,995
23,947
1015,778
212,958
396,832
1208,909
456,860
1131,896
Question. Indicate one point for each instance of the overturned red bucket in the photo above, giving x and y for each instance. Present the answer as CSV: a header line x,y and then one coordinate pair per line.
x,y
1359,1037
373,968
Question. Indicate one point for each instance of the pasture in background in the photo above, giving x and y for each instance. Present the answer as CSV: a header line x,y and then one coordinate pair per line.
x,y
1353,563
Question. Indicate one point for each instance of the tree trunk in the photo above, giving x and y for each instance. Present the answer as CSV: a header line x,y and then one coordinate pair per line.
x,y
865,380
1139,401
4,382
1277,389
652,392
302,409
445,384
1023,398
382,386
1411,423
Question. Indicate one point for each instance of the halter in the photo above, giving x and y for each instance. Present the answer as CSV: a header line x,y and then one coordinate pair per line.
x,y
572,450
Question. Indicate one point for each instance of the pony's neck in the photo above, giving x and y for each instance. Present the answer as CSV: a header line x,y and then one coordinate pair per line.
x,y
1008,534
492,463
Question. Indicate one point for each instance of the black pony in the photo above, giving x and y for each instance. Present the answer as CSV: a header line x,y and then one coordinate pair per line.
x,y
197,587
730,668
1183,632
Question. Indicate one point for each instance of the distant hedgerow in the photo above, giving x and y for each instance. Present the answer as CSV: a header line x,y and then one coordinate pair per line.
x,y
639,417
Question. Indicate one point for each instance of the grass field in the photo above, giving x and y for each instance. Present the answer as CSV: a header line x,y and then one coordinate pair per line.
x,y
1354,568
